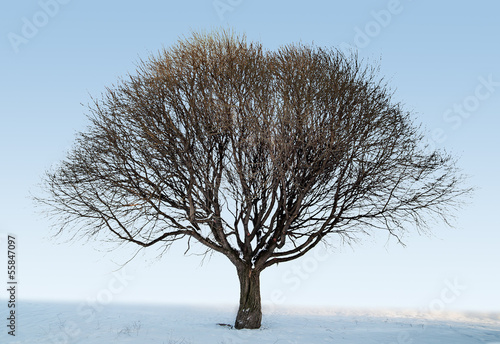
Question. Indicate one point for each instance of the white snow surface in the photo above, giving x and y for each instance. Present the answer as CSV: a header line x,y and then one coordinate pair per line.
x,y
64,323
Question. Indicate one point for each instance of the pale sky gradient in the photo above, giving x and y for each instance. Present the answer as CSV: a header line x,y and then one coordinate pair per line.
x,y
441,57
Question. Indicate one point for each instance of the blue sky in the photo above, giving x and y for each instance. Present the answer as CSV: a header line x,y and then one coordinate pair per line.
x,y
440,57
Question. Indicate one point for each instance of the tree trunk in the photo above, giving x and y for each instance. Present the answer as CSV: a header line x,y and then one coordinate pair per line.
x,y
250,310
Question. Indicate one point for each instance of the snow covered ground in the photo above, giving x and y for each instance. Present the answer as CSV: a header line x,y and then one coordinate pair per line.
x,y
140,324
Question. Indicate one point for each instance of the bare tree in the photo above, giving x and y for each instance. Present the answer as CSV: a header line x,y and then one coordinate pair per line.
x,y
259,155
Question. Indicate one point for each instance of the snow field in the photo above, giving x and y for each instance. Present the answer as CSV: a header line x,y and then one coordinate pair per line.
x,y
65,323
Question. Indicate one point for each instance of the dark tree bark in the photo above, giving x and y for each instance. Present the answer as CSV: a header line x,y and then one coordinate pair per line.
x,y
250,309
258,155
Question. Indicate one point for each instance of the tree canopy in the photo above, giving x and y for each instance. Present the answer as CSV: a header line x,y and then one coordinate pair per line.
x,y
257,154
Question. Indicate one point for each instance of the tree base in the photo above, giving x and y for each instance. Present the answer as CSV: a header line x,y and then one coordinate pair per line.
x,y
250,311
248,319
